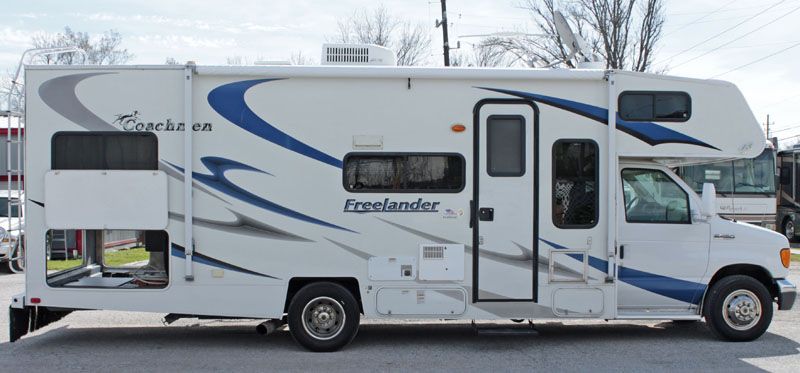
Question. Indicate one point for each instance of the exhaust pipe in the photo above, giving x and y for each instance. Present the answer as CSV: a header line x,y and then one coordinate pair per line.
x,y
269,326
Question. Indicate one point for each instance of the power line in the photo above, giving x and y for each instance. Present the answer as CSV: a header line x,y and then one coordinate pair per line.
x,y
737,39
701,18
702,12
757,61
750,46
786,129
725,31
782,100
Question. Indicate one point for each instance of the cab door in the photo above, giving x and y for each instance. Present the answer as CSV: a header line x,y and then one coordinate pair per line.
x,y
505,201
662,251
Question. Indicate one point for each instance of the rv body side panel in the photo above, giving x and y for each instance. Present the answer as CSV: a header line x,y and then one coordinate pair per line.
x,y
271,203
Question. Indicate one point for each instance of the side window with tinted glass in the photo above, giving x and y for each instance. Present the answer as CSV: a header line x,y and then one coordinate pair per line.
x,y
655,106
575,175
653,197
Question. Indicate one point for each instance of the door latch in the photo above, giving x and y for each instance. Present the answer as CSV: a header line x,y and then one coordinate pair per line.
x,y
485,214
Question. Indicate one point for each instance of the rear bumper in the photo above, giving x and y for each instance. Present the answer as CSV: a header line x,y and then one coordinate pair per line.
x,y
787,293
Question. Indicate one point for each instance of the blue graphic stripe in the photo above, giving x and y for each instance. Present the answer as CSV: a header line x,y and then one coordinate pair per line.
x,y
180,252
681,290
228,101
651,133
217,180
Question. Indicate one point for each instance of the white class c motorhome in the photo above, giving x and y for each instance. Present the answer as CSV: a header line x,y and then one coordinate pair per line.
x,y
319,195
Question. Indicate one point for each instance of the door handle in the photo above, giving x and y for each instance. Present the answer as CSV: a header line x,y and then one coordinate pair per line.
x,y
486,214
622,251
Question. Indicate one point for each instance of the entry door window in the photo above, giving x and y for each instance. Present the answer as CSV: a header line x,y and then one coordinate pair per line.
x,y
505,138
653,197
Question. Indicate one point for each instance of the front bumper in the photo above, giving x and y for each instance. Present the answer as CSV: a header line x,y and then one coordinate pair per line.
x,y
787,293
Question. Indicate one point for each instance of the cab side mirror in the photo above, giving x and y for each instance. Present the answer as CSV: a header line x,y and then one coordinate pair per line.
x,y
709,197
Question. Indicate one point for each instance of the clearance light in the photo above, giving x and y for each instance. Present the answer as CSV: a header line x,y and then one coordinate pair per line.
x,y
786,257
458,128
36,300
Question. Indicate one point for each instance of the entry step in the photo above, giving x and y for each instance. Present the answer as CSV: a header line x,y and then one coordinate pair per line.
x,y
495,329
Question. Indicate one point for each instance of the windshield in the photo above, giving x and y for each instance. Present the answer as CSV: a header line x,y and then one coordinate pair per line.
x,y
740,176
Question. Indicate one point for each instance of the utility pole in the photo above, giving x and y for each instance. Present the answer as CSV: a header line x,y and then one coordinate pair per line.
x,y
768,126
443,23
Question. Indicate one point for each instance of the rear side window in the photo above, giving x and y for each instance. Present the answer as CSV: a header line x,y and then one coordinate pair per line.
x,y
575,179
404,173
104,151
655,106
505,136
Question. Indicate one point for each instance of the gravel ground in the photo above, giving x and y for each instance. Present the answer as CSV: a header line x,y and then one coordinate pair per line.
x,y
128,341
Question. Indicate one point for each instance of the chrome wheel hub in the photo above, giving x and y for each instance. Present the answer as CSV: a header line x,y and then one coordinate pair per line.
x,y
741,309
323,318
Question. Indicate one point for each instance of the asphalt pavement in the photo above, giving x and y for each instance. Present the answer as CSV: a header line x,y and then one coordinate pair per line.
x,y
129,341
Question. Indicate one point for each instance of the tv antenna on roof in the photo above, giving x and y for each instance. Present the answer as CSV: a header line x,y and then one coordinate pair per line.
x,y
579,49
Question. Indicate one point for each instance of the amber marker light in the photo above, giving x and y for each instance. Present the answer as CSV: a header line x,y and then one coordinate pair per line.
x,y
458,128
786,257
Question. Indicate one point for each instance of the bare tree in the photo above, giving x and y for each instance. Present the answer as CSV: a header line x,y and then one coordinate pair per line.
x,y
103,49
412,45
482,54
300,58
624,32
409,40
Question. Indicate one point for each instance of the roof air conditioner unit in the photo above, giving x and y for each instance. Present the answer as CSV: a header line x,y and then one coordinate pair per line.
x,y
357,54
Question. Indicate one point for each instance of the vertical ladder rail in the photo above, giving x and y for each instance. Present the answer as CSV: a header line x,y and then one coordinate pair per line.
x,y
188,179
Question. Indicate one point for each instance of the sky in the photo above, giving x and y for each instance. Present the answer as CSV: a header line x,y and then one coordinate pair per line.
x,y
754,44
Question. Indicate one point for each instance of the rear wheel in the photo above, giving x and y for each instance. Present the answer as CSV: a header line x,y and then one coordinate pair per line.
x,y
738,308
323,317
788,230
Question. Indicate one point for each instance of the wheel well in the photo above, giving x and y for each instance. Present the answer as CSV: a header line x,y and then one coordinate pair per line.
x,y
759,273
297,283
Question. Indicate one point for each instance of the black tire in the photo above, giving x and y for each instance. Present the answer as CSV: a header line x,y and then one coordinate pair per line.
x,y
323,296
15,266
721,300
788,230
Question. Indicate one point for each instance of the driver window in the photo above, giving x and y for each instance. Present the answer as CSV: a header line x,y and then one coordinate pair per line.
x,y
653,197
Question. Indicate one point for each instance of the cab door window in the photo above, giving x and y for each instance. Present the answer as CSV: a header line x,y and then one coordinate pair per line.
x,y
653,197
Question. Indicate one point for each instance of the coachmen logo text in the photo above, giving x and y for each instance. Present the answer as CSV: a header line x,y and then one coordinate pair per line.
x,y
387,205
132,122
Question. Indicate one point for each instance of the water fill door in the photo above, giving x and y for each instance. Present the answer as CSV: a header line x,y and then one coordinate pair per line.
x,y
504,231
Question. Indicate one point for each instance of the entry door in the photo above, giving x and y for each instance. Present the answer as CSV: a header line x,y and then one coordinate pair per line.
x,y
663,253
504,247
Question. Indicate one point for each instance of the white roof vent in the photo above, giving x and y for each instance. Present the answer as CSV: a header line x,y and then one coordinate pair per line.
x,y
357,54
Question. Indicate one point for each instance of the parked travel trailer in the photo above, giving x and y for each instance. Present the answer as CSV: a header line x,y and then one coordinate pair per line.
x,y
745,186
318,195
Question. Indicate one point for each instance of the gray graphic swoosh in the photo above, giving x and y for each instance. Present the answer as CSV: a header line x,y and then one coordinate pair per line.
x,y
243,225
60,95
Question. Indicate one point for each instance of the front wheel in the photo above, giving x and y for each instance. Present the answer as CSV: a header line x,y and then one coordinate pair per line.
x,y
738,308
16,260
323,317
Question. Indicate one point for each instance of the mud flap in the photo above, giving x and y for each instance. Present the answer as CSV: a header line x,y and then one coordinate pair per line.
x,y
18,322
22,321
